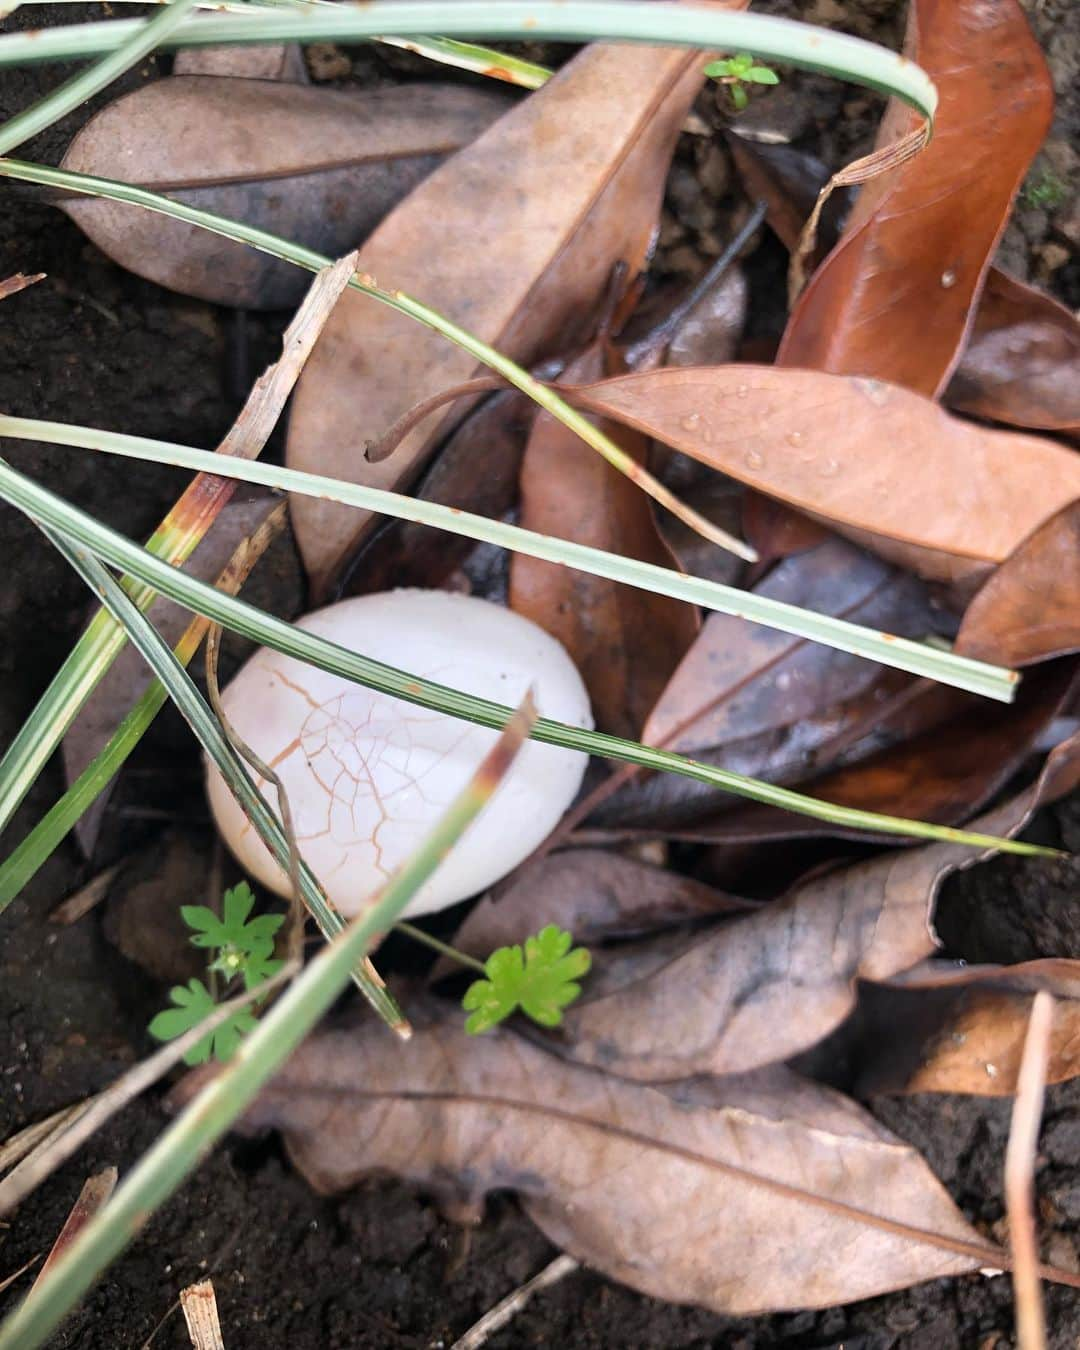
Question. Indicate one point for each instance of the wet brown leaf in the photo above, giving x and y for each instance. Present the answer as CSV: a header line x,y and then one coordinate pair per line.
x,y
594,894
943,1029
486,243
744,1196
1029,609
1022,361
856,452
740,679
625,642
766,987
893,299
337,162
957,754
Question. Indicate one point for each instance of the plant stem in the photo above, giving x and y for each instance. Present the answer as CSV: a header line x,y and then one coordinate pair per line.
x,y
443,948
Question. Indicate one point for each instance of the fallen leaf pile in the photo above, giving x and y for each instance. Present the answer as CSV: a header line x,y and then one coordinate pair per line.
x,y
661,1133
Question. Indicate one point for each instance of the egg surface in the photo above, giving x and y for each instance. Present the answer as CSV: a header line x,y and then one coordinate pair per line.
x,y
368,775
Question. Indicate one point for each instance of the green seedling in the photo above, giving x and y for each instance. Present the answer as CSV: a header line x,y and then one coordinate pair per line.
x,y
242,950
737,71
1045,191
541,981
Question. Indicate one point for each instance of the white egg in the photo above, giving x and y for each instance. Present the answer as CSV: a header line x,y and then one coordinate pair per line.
x,y
368,775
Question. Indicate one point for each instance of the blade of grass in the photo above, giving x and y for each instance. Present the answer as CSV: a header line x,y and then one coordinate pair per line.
x,y
208,732
21,865
487,61
163,1168
901,653
77,527
674,25
87,83
175,539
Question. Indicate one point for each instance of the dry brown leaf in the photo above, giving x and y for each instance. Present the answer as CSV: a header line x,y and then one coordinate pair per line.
x,y
766,987
942,1029
625,642
858,453
1022,361
486,243
745,1196
894,298
740,679
338,162
1029,609
953,753
595,895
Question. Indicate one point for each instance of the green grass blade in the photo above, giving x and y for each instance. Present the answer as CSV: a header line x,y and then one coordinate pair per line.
x,y
75,526
87,83
22,863
164,1167
901,653
682,25
210,735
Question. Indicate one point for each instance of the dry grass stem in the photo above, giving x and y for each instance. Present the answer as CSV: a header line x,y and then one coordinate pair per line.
x,y
199,1305
1020,1175
508,1308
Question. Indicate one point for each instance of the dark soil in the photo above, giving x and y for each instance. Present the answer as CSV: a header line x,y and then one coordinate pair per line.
x,y
379,1267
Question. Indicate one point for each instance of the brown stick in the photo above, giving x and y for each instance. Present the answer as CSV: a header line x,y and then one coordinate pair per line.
x,y
1020,1174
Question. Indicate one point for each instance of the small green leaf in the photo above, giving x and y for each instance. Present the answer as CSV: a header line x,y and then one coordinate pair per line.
x,y
719,70
233,930
540,981
761,75
738,97
194,1003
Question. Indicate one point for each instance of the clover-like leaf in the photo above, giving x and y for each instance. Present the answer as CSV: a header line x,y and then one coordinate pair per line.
x,y
541,981
233,930
194,1003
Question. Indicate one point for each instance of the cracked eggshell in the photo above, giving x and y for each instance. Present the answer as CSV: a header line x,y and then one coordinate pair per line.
x,y
368,775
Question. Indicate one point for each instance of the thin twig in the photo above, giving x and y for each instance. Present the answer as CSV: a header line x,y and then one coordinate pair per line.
x,y
55,1150
85,898
509,1307
15,1148
10,1279
1020,1174
295,937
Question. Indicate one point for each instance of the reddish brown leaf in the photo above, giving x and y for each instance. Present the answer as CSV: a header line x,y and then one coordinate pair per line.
x,y
1022,361
764,988
625,642
753,1194
893,299
521,268
858,453
1029,609
943,1029
337,162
